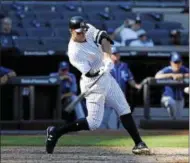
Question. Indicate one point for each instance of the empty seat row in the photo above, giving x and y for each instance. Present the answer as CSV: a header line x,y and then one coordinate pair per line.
x,y
158,35
36,44
43,32
58,23
94,14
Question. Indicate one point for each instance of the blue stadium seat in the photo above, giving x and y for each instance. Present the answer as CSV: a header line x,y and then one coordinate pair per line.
x,y
165,41
63,33
147,25
48,15
40,32
24,15
111,24
28,44
93,15
169,25
94,7
124,16
6,7
20,31
16,23
97,23
14,16
58,23
6,41
184,37
28,23
150,16
56,43
68,15
44,7
157,35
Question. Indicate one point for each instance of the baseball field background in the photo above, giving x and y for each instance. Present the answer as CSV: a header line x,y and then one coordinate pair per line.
x,y
84,147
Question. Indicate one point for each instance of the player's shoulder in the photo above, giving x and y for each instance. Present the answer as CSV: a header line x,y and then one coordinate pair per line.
x,y
71,74
124,64
167,69
184,68
73,48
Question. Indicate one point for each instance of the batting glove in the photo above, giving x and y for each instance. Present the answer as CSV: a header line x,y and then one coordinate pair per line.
x,y
108,66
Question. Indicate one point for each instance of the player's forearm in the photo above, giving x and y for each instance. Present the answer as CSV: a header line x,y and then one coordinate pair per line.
x,y
132,83
106,48
163,76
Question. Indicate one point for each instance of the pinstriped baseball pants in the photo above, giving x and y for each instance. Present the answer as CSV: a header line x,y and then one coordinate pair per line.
x,y
105,92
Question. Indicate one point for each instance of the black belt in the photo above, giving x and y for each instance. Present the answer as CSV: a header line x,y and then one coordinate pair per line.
x,y
92,75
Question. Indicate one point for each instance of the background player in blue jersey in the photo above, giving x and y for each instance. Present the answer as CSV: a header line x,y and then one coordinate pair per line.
x,y
6,74
173,97
123,76
68,88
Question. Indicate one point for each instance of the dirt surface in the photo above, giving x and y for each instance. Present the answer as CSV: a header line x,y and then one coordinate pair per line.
x,y
91,155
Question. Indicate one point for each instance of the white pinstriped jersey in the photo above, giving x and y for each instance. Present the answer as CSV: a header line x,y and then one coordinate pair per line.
x,y
86,56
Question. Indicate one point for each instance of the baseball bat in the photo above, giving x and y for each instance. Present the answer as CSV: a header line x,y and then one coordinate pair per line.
x,y
70,107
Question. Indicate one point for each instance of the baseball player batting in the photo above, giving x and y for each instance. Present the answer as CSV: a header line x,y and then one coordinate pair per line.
x,y
89,51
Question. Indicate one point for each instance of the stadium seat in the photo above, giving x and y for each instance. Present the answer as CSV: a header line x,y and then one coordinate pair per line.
x,y
68,15
56,43
148,25
6,7
152,17
111,24
92,7
47,15
27,23
93,15
184,37
97,23
20,31
165,41
157,35
169,25
63,33
14,17
58,23
124,16
44,7
28,43
6,41
25,15
40,32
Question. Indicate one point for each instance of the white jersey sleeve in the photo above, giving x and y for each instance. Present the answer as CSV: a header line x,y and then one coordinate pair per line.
x,y
79,61
94,33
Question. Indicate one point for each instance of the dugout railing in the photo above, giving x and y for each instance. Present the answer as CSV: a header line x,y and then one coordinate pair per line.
x,y
143,62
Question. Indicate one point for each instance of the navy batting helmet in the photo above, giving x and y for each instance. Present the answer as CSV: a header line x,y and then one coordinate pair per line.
x,y
78,24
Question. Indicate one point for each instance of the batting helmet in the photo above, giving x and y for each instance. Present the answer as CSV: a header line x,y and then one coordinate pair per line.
x,y
78,24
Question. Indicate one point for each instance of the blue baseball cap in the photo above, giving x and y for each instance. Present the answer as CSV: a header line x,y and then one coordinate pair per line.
x,y
63,65
175,57
114,50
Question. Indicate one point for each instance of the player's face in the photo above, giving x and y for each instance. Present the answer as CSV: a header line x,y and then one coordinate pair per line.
x,y
78,36
63,71
176,66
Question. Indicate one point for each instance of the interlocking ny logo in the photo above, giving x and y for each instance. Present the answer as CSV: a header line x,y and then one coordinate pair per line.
x,y
52,80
